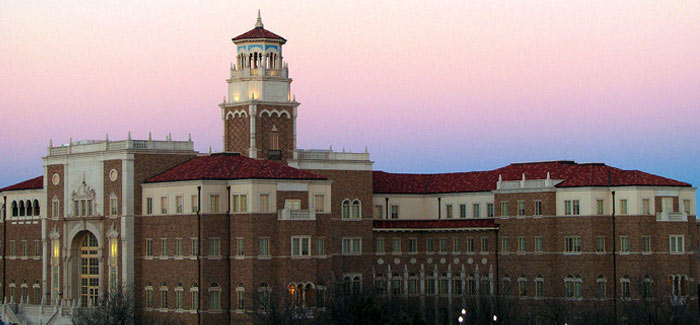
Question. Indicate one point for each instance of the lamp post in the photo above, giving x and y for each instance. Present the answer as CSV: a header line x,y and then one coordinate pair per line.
x,y
495,318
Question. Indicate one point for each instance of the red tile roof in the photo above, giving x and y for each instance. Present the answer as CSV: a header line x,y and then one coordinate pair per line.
x,y
30,184
230,166
258,32
434,224
572,174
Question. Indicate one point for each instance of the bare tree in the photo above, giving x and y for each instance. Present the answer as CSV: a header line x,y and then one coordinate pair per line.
x,y
114,308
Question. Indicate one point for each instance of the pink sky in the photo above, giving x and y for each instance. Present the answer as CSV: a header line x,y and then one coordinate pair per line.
x,y
446,86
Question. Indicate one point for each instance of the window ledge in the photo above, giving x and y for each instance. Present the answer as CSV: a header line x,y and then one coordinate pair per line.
x,y
483,253
179,258
396,253
379,253
265,258
163,258
571,253
239,257
214,257
305,257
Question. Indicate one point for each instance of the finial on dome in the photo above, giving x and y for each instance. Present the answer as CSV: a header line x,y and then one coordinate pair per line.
x,y
259,23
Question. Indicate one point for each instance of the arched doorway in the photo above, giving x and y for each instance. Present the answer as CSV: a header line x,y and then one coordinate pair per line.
x,y
89,270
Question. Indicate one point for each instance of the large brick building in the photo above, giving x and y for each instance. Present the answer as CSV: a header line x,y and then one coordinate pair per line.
x,y
203,237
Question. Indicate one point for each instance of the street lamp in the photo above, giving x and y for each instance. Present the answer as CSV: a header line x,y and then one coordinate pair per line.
x,y
464,311
495,318
460,319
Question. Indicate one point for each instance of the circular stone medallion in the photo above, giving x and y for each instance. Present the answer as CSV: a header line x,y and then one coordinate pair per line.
x,y
483,260
380,261
113,174
470,261
55,179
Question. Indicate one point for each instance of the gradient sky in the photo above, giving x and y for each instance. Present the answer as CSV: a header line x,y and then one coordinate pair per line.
x,y
428,86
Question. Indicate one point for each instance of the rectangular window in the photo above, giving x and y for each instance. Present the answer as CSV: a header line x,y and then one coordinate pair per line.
x,y
412,245
624,244
163,299
538,244
538,208
264,247
623,206
443,245
240,247
13,249
37,248
600,244
489,210
645,207
163,247
379,212
319,203
430,287
456,245
243,203
195,204
572,244
484,244
505,244
396,245
195,300
178,247
214,203
149,298
149,247
25,248
646,244
504,209
320,247
576,207
379,245
686,206
676,244
448,211
195,247
178,300
352,246
430,245
113,206
600,207
301,246
149,205
477,210
522,244
55,209
214,247
164,205
567,207
462,211
264,203
179,204
601,289
394,212
470,245
539,288
521,208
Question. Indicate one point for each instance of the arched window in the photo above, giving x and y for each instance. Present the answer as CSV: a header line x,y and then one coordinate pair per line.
x,y
214,296
178,296
149,295
506,285
396,284
678,285
356,209
195,296
539,286
379,284
356,285
347,285
15,209
413,284
572,285
36,207
21,208
646,287
601,282
164,295
240,292
264,294
37,292
346,209
308,295
522,285
29,208
625,281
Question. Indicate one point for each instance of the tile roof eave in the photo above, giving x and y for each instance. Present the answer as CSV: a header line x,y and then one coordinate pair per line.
x,y
233,179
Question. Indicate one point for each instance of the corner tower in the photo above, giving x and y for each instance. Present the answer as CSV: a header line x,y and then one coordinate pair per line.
x,y
259,115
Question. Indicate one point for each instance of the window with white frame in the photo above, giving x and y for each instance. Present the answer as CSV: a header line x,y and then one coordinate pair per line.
x,y
625,281
379,245
686,206
164,205
240,294
539,246
646,244
264,247
215,296
539,286
320,246
149,205
412,245
600,244
521,208
462,211
356,209
214,244
573,287
394,212
351,246
178,296
646,209
179,204
477,210
264,203
195,247
572,244
149,247
319,203
624,244
600,207
522,244
676,243
505,244
448,211
194,291
240,247
504,209
113,205
538,208
601,284
215,203
623,206
301,246
379,212
484,244
163,247
489,210
164,296
149,295
240,203
345,209
194,204
178,247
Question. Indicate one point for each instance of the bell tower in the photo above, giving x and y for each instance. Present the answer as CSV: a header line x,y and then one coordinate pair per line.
x,y
259,114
